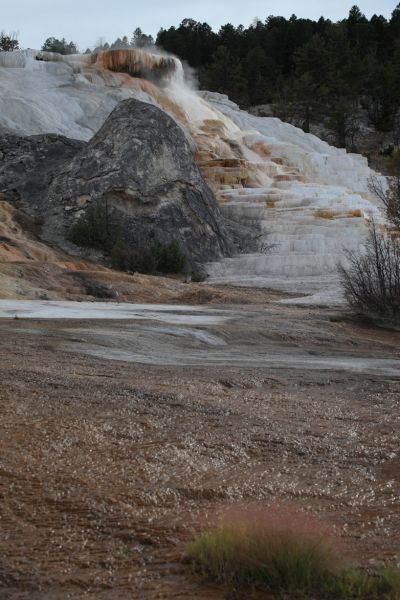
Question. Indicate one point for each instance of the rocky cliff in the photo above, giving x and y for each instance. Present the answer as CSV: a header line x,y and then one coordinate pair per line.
x,y
292,202
28,164
140,162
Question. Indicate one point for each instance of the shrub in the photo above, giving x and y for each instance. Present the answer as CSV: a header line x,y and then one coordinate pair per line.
x,y
389,195
388,160
118,255
156,258
383,584
278,550
371,281
98,227
170,258
143,261
286,552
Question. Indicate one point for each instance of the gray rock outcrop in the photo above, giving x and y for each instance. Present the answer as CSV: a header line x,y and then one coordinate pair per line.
x,y
28,165
142,164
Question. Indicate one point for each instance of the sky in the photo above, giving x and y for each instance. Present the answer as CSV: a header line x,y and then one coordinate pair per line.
x,y
85,21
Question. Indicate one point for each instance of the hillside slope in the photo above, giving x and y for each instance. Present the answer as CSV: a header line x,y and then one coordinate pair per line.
x,y
300,200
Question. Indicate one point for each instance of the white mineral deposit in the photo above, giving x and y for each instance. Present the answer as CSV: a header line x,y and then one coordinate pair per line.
x,y
309,200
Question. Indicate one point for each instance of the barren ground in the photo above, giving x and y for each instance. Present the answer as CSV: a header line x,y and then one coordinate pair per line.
x,y
118,438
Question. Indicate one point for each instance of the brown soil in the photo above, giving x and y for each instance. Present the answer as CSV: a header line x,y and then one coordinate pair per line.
x,y
107,466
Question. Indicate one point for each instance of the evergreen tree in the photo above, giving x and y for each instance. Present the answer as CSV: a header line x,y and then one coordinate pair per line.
x,y
225,75
8,42
60,46
259,71
140,39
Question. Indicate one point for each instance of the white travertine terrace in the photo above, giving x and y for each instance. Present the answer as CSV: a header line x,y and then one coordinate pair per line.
x,y
308,199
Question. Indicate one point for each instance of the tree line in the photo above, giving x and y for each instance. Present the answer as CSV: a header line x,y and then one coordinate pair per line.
x,y
137,40
311,71
308,69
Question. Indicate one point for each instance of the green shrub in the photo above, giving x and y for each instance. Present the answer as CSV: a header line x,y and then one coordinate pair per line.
x,y
144,261
383,584
170,258
286,552
118,255
98,227
157,258
265,548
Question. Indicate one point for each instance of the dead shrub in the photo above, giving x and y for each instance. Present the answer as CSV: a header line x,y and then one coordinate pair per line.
x,y
371,281
389,194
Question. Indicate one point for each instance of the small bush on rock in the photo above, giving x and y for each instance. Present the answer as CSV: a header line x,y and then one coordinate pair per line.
x,y
98,227
170,258
156,258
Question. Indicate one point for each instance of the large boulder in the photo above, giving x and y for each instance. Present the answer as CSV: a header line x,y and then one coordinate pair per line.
x,y
141,163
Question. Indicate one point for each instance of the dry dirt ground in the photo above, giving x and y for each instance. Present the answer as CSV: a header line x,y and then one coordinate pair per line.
x,y
106,466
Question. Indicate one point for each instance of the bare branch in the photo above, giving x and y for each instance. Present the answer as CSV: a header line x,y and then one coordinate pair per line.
x,y
371,281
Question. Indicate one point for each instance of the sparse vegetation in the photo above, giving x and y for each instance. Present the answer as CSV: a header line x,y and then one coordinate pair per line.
x,y
389,194
170,258
284,551
371,281
386,161
382,584
98,227
61,46
155,258
279,550
8,42
329,214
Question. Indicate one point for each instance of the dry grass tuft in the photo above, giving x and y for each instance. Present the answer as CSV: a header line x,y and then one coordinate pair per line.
x,y
285,551
280,549
324,214
329,214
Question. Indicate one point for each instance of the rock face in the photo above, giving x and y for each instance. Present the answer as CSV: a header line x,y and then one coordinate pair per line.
x,y
290,202
141,163
29,164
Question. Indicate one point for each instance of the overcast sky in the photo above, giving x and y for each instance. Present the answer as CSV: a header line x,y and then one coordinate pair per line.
x,y
85,21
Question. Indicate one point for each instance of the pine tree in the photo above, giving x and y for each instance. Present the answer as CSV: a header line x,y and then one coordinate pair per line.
x,y
225,75
8,42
